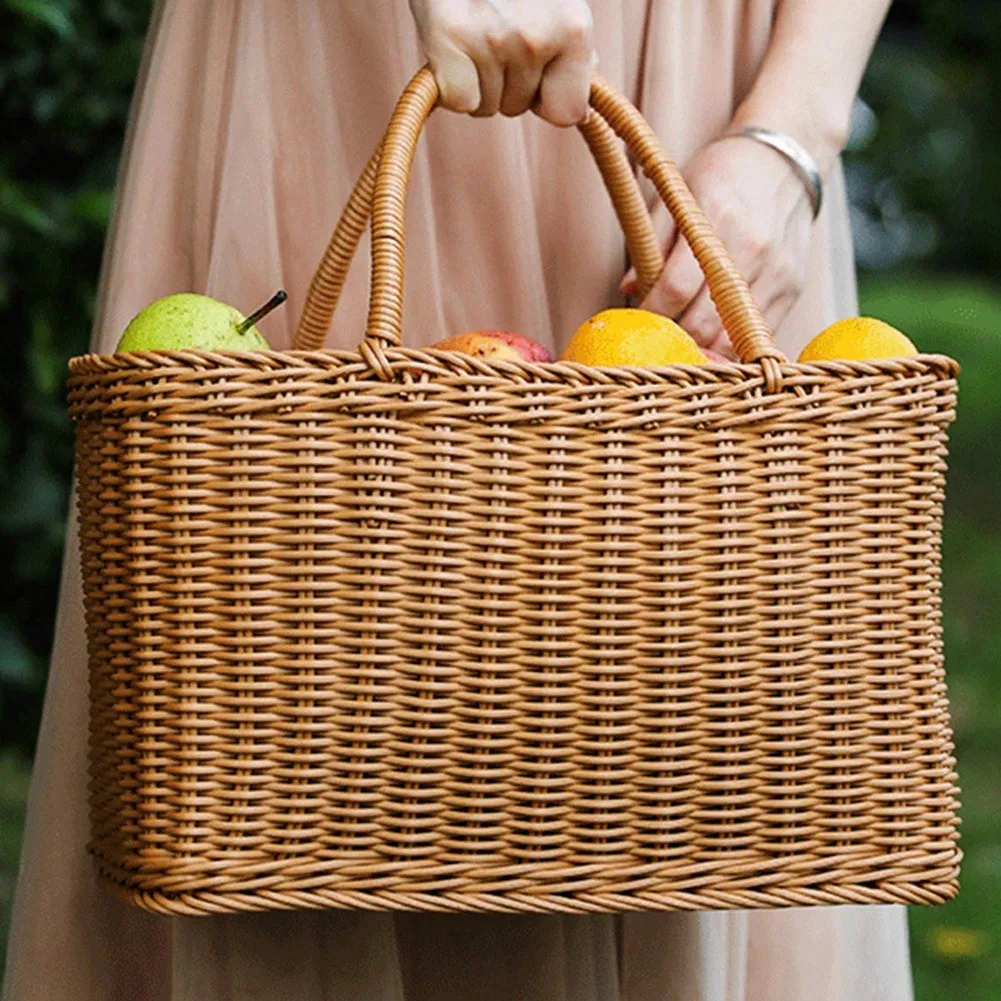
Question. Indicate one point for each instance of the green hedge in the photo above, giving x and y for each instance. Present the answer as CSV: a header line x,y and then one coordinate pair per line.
x,y
66,76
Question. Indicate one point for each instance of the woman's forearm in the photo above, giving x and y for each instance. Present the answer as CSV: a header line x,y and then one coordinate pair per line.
x,y
812,70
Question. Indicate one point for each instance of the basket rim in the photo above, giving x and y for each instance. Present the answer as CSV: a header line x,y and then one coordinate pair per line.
x,y
212,901
418,362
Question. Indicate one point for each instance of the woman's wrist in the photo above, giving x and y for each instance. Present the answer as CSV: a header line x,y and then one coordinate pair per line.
x,y
821,132
811,72
795,154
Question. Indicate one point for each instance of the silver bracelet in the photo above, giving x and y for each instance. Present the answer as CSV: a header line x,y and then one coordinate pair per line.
x,y
804,164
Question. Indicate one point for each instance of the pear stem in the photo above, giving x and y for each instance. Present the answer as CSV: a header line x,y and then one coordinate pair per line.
x,y
273,303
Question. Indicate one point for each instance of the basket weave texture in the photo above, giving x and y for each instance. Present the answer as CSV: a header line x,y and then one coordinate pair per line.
x,y
406,629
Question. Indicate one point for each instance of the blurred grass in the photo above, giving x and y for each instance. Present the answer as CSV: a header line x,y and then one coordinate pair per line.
x,y
956,948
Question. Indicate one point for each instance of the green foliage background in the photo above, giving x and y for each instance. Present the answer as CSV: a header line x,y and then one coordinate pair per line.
x,y
922,174
66,75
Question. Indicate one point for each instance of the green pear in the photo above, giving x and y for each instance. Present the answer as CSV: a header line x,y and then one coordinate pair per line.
x,y
188,321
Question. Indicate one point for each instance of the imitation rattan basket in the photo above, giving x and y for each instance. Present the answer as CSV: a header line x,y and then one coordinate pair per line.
x,y
406,629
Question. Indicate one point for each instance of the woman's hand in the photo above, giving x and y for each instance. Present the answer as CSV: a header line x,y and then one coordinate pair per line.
x,y
510,55
762,213
805,87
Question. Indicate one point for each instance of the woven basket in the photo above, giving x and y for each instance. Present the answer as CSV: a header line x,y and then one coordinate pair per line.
x,y
404,629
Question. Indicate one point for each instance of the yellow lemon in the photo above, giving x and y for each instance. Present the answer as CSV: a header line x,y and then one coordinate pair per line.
x,y
632,337
858,339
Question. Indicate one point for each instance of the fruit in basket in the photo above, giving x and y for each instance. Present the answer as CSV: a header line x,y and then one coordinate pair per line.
x,y
498,344
632,337
858,338
188,321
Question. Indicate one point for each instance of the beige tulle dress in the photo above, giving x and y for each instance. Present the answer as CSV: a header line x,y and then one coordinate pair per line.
x,y
251,122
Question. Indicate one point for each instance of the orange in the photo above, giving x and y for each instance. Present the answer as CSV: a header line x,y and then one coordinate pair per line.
x,y
858,338
632,337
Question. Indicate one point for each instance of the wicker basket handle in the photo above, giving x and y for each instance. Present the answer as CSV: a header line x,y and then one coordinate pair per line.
x,y
749,334
620,181
385,182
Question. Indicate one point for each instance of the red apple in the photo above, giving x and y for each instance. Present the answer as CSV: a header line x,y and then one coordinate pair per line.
x,y
502,344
